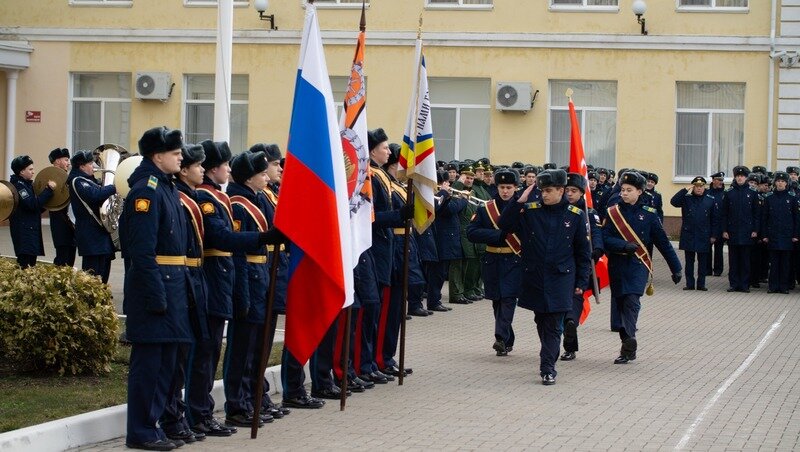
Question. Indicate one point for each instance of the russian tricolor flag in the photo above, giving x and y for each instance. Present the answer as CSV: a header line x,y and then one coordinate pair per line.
x,y
313,211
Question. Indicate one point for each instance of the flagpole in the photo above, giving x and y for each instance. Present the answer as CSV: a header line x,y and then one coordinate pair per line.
x,y
266,346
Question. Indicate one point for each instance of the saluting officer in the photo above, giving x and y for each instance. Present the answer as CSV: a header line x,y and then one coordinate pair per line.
x,y
739,221
630,227
781,226
153,238
716,191
86,195
26,221
502,267
62,227
575,192
699,229
555,256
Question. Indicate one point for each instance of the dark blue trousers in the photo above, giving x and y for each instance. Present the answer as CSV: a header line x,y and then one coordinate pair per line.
x,y
570,341
237,371
435,275
779,269
391,336
616,322
628,307
152,367
549,326
320,365
739,266
65,255
203,360
702,267
99,265
26,260
173,419
503,317
715,262
370,315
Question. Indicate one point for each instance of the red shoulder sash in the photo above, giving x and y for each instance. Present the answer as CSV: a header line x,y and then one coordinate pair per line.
x,y
197,217
222,198
253,210
627,233
511,239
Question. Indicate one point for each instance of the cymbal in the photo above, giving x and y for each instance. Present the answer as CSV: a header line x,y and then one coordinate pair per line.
x,y
9,199
60,193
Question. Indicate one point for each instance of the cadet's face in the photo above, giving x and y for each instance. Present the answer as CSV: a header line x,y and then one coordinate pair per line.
x,y
763,188
552,195
27,173
468,180
793,177
258,182
716,182
169,162
780,185
699,189
530,179
629,193
740,179
488,178
602,178
592,184
506,191
220,174
274,171
452,174
650,185
87,168
479,174
380,153
573,194
193,174
752,183
62,163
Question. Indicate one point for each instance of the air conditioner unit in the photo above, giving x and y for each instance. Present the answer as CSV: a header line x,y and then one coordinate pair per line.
x,y
514,96
153,85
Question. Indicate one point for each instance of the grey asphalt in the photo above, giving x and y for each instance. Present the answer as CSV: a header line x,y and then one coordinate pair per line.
x,y
715,371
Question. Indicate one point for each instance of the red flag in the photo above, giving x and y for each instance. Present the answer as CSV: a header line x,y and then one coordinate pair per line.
x,y
577,164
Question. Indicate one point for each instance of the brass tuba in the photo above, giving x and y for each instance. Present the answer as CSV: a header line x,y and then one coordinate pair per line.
x,y
109,157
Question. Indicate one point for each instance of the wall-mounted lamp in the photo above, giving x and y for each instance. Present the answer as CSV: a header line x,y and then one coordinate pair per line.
x,y
261,6
639,7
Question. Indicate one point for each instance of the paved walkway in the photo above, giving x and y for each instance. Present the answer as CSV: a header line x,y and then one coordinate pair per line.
x,y
716,371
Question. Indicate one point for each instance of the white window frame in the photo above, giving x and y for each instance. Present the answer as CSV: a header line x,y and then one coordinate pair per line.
x,y
460,6
106,3
103,101
712,8
584,7
213,3
337,4
709,112
458,108
185,102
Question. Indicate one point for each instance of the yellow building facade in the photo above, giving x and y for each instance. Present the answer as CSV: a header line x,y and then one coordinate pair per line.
x,y
701,92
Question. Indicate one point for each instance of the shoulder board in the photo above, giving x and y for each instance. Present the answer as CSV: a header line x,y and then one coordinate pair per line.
x,y
533,205
152,183
574,209
649,209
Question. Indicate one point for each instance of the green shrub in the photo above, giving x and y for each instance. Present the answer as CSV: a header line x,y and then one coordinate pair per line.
x,y
55,319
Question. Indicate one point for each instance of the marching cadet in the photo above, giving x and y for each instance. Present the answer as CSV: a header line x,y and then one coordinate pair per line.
x,y
630,227
26,221
502,268
153,238
575,192
219,240
465,275
555,259
62,228
699,229
716,191
781,226
173,421
86,195
739,222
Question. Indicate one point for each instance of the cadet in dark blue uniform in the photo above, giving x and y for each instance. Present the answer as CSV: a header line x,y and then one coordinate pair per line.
x,y
781,226
575,193
62,228
793,187
86,195
556,258
699,229
26,221
435,265
448,244
716,191
502,268
173,421
630,227
153,238
739,221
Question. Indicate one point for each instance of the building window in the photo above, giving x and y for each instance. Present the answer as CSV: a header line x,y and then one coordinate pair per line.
x,y
332,3
596,108
101,110
215,3
476,4
199,111
705,4
709,128
580,4
460,115
100,2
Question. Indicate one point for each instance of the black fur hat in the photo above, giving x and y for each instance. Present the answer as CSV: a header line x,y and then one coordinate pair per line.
x,y
577,181
591,175
394,154
653,177
451,166
633,178
192,153
602,171
505,176
550,165
217,153
759,169
793,169
81,158
518,165
741,170
552,178
780,175
58,153
160,139
246,165
441,176
272,151
20,163
376,137
529,169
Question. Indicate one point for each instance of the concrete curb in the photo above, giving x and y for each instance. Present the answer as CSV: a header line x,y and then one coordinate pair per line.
x,y
96,426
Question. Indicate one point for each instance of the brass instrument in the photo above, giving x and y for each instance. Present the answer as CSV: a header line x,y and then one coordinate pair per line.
x,y
111,157
60,197
9,199
463,194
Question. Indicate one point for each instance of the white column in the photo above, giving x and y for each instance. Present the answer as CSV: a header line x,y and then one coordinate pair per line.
x,y
222,87
11,118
